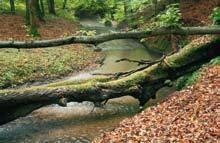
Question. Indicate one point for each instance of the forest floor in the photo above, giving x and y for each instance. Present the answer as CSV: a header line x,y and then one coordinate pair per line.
x,y
19,66
188,116
13,28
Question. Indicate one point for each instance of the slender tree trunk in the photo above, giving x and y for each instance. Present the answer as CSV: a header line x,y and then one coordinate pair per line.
x,y
64,4
155,7
27,15
42,8
51,7
12,5
126,3
39,11
34,19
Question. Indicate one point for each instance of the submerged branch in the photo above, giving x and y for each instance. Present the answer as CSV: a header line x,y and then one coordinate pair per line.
x,y
146,63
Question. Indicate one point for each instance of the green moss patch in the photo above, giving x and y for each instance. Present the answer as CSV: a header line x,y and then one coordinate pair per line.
x,y
20,66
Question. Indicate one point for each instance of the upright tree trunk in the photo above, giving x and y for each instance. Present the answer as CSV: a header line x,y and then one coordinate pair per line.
x,y
27,16
51,7
39,11
42,8
12,5
126,8
34,20
155,6
64,4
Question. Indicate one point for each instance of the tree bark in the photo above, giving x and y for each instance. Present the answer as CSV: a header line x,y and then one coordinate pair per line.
x,y
64,4
51,7
34,20
142,84
27,13
12,5
39,10
112,36
42,7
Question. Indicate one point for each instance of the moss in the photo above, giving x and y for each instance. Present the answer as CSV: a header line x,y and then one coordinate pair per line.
x,y
81,81
191,78
187,80
20,66
215,61
191,52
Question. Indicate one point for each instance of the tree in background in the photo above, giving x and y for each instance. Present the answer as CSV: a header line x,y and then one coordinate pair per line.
x,y
33,12
33,16
51,7
12,6
64,4
42,8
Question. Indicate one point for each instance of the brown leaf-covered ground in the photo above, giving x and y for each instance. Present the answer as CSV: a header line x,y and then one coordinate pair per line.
x,y
189,116
197,12
13,27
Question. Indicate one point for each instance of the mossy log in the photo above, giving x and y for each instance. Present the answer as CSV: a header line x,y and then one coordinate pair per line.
x,y
110,36
141,85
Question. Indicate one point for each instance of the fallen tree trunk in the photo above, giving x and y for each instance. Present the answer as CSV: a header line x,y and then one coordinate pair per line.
x,y
110,36
142,84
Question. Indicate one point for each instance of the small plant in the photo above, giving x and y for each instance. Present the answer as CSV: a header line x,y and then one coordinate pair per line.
x,y
34,32
187,80
86,33
170,18
215,16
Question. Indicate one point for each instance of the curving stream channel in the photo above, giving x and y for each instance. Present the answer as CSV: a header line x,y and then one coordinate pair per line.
x,y
81,122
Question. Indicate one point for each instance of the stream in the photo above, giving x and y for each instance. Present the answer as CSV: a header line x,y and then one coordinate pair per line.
x,y
81,122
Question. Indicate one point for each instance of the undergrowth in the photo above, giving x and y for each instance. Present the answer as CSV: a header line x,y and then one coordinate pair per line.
x,y
191,78
24,65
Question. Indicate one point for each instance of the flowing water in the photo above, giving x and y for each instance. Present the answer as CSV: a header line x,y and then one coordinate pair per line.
x,y
81,122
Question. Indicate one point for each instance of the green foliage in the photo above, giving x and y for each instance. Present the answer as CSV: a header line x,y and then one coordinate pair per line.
x,y
215,16
34,32
5,6
215,61
187,80
137,5
91,7
191,78
119,13
25,65
170,17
